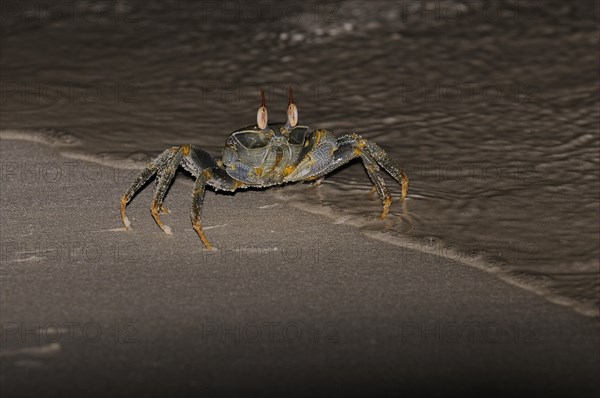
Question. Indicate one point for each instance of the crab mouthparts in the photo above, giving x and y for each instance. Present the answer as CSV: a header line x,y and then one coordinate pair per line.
x,y
278,156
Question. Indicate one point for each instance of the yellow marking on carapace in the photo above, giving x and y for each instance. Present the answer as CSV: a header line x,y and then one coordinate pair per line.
x,y
185,150
289,170
258,171
360,145
319,134
198,229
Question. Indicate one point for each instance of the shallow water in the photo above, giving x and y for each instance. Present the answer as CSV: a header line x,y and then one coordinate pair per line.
x,y
491,108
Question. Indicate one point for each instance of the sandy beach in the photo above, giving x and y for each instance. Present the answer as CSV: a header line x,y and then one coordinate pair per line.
x,y
290,303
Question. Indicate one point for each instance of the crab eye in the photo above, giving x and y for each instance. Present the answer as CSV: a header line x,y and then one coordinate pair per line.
x,y
297,135
292,114
292,111
251,139
262,117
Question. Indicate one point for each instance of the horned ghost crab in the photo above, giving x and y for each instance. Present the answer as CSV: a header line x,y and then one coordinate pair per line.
x,y
261,156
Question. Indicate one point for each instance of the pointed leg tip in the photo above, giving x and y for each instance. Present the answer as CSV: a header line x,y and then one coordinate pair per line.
x,y
386,207
167,230
372,192
127,223
205,242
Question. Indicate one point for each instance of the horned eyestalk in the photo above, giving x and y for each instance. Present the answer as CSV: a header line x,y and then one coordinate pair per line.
x,y
262,116
292,110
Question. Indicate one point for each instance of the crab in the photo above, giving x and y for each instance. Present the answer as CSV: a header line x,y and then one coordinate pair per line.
x,y
262,156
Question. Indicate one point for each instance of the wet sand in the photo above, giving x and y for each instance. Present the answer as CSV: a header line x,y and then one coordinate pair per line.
x,y
290,303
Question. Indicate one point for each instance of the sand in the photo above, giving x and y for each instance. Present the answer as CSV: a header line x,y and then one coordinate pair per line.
x,y
290,303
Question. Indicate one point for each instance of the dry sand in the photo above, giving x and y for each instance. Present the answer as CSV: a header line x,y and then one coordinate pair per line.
x,y
290,303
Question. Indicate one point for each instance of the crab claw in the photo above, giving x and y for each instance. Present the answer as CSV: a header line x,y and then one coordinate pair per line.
x,y
262,116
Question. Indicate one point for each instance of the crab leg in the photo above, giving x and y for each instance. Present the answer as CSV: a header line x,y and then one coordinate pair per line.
x,y
379,185
139,182
389,165
164,178
198,162
362,146
315,165
197,201
217,178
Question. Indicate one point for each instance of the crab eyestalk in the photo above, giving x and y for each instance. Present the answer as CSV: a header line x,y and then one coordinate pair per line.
x,y
262,116
292,111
